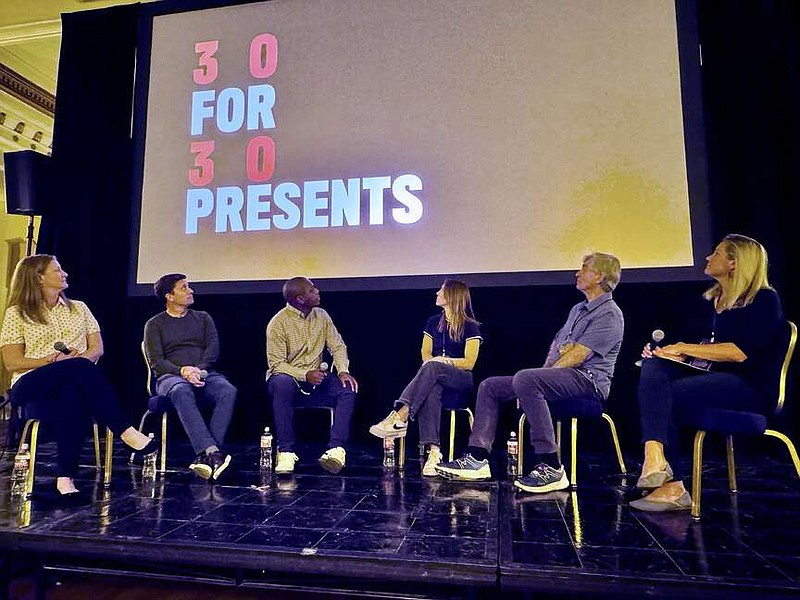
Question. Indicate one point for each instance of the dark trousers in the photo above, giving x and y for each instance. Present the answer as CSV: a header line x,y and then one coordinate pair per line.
x,y
287,393
66,395
534,388
423,396
668,389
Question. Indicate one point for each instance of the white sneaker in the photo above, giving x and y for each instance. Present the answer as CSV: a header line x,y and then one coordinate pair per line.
x,y
286,462
332,460
391,427
434,458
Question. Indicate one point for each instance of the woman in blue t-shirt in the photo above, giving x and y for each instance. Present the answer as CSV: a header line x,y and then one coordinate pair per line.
x,y
746,320
451,341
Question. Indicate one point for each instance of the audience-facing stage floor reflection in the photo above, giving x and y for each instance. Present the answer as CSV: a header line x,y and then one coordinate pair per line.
x,y
375,530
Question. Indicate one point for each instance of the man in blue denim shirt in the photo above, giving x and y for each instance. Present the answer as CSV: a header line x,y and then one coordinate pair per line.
x,y
580,363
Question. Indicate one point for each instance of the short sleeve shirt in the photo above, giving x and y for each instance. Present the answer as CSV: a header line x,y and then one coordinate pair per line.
x,y
63,325
443,344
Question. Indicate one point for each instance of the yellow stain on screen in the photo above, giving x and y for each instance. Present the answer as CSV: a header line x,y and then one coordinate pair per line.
x,y
625,212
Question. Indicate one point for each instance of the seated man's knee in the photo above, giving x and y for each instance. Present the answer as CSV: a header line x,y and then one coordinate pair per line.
x,y
281,385
181,392
525,379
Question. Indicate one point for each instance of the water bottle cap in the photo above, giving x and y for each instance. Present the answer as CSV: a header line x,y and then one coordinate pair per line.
x,y
513,434
266,429
23,447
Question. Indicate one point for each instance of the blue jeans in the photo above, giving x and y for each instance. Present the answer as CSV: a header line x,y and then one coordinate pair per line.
x,y
286,393
666,389
423,396
535,388
217,392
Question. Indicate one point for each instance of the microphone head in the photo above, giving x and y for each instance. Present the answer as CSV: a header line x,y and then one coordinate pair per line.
x,y
323,366
658,335
202,374
61,347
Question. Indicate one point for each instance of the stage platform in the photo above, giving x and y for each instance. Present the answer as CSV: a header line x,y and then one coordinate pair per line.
x,y
404,535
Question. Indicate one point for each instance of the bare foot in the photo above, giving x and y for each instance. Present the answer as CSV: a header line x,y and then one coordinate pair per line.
x,y
66,485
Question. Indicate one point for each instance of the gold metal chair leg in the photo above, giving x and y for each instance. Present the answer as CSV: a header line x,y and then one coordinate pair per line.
x,y
28,424
731,464
558,440
697,473
789,445
520,443
98,463
573,459
452,447
331,410
401,458
109,457
615,438
163,460
471,418
32,446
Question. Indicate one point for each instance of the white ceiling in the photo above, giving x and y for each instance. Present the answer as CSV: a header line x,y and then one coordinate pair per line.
x,y
30,40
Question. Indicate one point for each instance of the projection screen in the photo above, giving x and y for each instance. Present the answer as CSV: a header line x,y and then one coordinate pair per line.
x,y
383,144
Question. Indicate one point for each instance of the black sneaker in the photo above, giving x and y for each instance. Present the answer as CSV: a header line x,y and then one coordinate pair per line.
x,y
543,478
202,466
465,468
219,461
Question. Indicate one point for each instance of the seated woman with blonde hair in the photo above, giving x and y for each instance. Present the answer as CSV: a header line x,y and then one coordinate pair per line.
x,y
450,344
65,383
744,319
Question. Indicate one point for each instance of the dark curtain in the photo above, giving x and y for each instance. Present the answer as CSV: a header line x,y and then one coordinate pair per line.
x,y
751,89
89,225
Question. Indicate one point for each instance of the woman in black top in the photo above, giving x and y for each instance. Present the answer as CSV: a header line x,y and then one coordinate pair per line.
x,y
450,345
745,321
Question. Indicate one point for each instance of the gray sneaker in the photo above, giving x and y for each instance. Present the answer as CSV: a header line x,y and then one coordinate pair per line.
x,y
543,478
466,468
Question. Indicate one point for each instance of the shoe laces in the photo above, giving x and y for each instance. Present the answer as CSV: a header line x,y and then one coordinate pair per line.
x,y
543,470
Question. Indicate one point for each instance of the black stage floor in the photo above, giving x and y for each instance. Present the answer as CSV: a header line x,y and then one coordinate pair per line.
x,y
402,535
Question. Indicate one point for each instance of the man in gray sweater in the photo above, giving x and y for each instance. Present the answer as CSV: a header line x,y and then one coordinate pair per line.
x,y
182,347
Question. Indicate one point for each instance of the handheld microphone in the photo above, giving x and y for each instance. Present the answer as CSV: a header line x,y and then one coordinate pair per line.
x,y
202,374
657,336
61,347
323,366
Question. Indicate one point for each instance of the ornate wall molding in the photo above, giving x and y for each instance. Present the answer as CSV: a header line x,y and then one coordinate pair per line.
x,y
23,89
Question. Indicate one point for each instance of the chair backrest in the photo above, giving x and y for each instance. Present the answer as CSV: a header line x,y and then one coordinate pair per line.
x,y
791,342
150,384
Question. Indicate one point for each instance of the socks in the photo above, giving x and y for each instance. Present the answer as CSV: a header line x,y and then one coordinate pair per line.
x,y
478,453
550,459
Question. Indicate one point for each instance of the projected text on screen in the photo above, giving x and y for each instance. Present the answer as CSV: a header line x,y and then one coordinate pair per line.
x,y
311,204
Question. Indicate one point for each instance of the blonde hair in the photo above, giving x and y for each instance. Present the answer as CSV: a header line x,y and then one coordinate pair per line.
x,y
748,276
608,266
458,309
26,288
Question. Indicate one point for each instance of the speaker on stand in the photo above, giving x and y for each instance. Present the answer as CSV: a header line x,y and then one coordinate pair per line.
x,y
27,186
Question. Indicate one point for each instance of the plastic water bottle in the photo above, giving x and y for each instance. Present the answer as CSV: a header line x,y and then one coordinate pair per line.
x,y
265,461
149,465
512,452
388,453
19,474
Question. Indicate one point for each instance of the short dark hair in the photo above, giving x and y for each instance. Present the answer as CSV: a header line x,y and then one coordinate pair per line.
x,y
166,283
